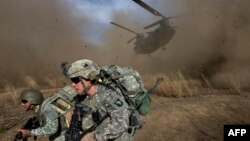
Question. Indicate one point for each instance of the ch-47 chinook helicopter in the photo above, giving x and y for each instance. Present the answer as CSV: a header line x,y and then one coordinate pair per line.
x,y
146,43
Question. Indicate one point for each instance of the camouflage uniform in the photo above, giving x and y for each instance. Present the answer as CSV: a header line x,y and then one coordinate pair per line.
x,y
107,101
50,119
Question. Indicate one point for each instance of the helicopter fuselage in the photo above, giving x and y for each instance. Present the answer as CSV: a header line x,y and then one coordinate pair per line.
x,y
155,40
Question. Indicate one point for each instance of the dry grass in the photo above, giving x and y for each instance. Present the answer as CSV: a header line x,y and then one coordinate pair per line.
x,y
174,85
230,82
62,81
50,81
208,84
177,85
31,82
11,92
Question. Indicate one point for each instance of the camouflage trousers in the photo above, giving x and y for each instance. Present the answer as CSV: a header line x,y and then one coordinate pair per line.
x,y
124,137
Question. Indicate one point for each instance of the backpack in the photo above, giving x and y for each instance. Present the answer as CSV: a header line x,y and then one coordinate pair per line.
x,y
131,85
61,102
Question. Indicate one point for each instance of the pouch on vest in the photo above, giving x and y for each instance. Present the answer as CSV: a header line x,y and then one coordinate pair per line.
x,y
143,103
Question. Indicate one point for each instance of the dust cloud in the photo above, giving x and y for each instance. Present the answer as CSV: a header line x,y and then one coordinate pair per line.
x,y
212,38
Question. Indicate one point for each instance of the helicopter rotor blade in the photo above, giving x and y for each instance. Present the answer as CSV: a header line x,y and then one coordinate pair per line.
x,y
131,40
124,27
153,24
147,32
158,22
147,7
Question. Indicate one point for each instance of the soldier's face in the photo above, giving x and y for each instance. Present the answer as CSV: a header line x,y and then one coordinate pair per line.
x,y
27,106
78,85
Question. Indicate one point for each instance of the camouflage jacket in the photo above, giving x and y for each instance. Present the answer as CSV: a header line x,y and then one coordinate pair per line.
x,y
50,119
108,101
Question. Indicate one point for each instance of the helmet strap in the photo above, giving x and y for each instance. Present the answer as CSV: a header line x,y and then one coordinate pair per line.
x,y
86,88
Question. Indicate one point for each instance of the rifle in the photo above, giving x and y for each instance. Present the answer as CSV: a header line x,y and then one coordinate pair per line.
x,y
75,128
32,123
92,128
75,132
134,121
150,91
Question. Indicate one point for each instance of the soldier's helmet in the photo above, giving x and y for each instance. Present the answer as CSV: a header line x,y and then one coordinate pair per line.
x,y
33,96
83,68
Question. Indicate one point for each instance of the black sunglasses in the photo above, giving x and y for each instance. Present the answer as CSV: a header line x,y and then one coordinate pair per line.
x,y
24,101
76,80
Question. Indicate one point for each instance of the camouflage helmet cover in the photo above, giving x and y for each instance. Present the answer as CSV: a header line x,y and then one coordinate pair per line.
x,y
83,68
33,96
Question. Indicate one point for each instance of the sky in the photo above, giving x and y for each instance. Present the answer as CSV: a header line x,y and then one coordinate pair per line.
x,y
101,12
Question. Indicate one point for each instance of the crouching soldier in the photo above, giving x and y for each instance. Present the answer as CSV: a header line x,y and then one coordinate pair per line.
x,y
49,112
101,112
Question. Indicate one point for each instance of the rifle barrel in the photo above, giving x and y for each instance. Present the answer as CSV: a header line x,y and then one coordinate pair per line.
x,y
158,81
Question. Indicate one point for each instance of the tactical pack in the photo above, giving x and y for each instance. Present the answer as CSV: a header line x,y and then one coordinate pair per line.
x,y
61,102
131,85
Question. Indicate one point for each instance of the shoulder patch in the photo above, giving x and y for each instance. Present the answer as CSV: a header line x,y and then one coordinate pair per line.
x,y
118,103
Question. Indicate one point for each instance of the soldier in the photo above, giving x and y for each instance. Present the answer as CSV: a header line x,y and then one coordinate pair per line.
x,y
50,119
104,106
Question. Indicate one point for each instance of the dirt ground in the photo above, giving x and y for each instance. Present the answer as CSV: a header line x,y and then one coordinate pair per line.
x,y
194,118
177,119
